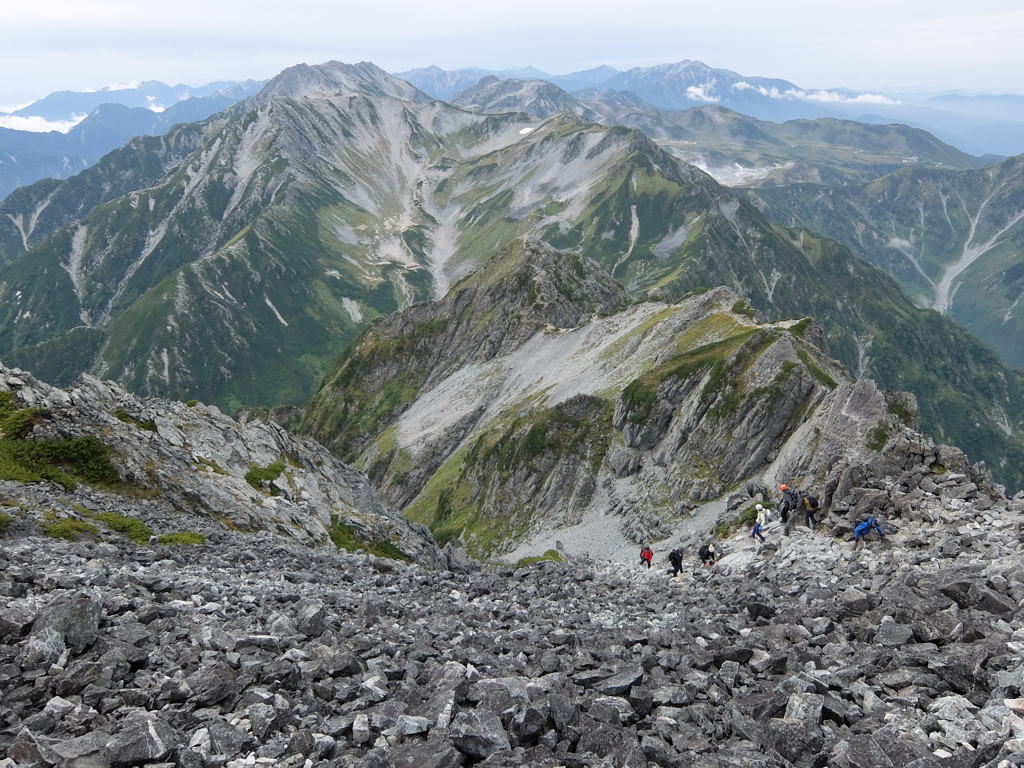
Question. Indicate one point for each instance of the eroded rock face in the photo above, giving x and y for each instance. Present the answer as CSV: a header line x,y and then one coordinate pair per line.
x,y
252,650
197,459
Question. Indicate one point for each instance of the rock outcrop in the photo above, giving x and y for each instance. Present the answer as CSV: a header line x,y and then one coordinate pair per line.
x,y
534,398
197,461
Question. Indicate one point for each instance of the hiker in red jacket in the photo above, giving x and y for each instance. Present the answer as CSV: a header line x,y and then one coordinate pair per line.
x,y
646,555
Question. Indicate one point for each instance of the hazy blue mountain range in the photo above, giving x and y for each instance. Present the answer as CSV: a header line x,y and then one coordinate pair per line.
x,y
233,259
151,94
26,156
979,125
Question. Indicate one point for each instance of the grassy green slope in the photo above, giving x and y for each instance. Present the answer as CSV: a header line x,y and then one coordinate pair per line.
x,y
917,223
31,213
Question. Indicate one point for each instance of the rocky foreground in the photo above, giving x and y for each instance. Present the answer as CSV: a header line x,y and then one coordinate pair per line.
x,y
251,650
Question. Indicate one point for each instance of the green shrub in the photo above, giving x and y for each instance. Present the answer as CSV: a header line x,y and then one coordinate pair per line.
x,y
878,437
127,418
901,412
742,308
534,442
5,522
748,517
183,538
256,475
29,461
68,529
640,399
345,537
192,403
131,527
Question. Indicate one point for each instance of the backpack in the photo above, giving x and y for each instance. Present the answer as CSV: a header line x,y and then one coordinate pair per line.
x,y
811,503
704,553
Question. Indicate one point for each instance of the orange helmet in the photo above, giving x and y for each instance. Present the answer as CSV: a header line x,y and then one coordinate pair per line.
x,y
783,487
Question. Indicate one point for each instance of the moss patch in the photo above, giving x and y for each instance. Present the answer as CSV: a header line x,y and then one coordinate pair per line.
x,y
127,418
819,375
131,527
345,537
257,475
800,328
183,538
550,556
68,529
742,308
878,437
5,522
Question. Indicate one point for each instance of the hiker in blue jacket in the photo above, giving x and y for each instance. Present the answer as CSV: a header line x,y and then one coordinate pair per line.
x,y
863,529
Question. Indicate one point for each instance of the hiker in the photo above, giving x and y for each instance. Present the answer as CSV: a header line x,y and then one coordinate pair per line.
x,y
708,554
646,555
789,503
863,529
810,505
763,516
676,558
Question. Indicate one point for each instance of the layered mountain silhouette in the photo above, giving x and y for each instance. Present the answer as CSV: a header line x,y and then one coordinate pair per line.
x,y
234,259
114,117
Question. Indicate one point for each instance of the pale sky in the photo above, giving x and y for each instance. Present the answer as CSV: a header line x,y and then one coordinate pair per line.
x,y
49,45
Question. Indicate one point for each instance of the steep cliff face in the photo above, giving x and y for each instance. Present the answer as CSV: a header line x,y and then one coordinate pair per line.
x,y
249,477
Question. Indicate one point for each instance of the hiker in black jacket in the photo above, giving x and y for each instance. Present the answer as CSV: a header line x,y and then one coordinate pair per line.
x,y
676,558
790,502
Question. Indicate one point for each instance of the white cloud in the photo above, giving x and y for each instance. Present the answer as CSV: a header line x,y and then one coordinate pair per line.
x,y
152,106
13,107
832,97
829,97
36,124
129,86
742,85
701,92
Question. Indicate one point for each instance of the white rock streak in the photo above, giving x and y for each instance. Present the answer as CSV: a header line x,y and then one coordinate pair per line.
x,y
274,309
972,251
74,266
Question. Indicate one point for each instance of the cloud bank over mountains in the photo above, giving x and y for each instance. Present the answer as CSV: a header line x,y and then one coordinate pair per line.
x,y
797,93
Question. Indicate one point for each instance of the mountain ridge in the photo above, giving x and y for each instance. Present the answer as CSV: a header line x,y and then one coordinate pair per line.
x,y
206,222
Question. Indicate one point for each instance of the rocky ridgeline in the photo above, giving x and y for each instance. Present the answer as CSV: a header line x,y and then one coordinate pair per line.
x,y
196,461
251,650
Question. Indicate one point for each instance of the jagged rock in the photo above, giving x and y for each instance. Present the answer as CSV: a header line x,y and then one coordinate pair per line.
x,y
70,625
478,733
457,559
88,751
143,739
198,459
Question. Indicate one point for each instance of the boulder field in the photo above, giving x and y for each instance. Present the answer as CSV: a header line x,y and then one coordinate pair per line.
x,y
253,650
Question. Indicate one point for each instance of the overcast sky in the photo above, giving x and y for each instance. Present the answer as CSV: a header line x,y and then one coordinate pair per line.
x,y
49,45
